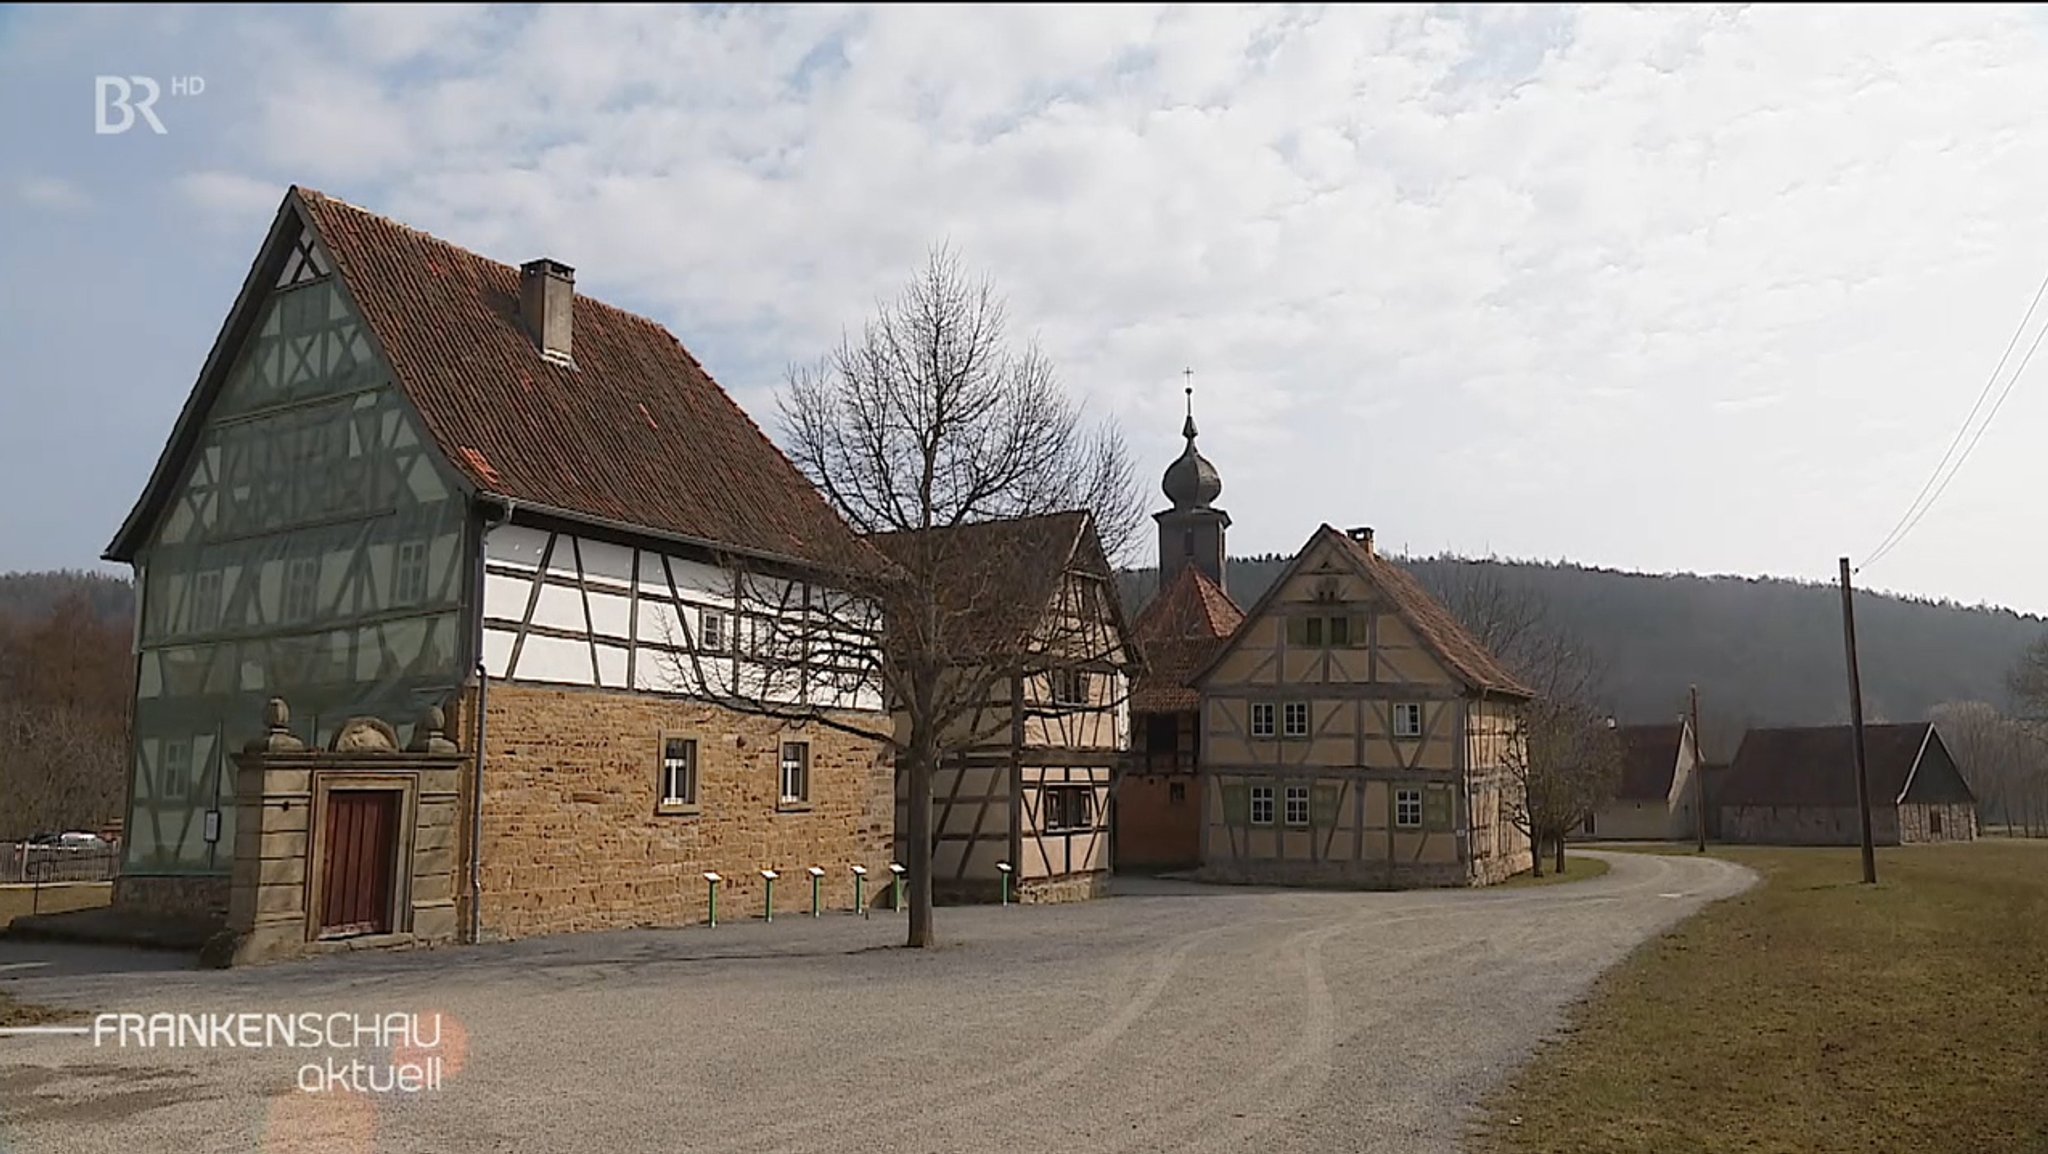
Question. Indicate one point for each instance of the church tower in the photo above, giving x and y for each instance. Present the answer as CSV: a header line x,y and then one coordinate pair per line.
x,y
1191,533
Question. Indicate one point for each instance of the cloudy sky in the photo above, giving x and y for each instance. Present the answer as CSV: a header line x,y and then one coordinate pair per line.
x,y
1668,290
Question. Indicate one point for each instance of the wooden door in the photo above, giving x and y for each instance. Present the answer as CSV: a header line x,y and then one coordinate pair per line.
x,y
362,851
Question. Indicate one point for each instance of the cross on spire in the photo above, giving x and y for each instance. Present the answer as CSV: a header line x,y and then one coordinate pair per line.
x,y
1188,427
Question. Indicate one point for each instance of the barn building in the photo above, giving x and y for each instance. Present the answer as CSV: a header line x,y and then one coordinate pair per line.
x,y
1798,787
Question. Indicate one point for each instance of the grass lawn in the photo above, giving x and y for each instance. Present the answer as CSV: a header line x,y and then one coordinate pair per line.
x,y
1576,869
1815,1015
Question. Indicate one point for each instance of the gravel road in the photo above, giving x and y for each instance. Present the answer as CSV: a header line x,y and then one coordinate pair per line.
x,y
1171,1018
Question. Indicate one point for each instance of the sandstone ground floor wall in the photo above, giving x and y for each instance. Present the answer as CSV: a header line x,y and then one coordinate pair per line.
x,y
574,837
1807,825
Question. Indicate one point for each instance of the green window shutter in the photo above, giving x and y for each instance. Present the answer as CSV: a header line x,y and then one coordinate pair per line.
x,y
1297,631
1339,631
1323,805
1236,805
1312,628
1361,626
1436,808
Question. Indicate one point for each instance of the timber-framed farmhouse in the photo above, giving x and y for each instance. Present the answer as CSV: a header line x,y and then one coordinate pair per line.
x,y
1353,733
410,476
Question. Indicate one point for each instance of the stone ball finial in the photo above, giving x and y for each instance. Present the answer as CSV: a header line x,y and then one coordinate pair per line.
x,y
430,735
277,735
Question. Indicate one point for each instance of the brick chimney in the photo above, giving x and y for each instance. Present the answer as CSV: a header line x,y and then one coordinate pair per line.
x,y
547,304
1362,535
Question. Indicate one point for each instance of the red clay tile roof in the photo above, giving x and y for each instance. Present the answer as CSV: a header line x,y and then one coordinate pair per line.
x,y
637,433
997,577
1466,659
1179,632
1649,760
1816,766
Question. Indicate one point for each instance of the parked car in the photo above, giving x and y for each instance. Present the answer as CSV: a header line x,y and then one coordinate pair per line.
x,y
79,839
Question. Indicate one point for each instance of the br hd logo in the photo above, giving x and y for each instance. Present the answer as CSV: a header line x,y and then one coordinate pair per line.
x,y
119,100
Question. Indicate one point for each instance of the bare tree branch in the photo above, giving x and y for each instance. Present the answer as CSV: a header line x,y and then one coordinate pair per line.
x,y
992,509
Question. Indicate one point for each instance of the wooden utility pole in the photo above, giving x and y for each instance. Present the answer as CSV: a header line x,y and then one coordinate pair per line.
x,y
1699,767
1856,728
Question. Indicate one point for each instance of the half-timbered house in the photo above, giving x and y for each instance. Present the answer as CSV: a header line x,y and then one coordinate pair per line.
x,y
1355,734
1157,812
411,476
1037,630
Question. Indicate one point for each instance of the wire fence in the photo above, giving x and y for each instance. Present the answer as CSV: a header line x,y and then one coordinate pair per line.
x,y
25,863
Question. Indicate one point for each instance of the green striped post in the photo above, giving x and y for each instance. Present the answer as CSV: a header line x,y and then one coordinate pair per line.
x,y
713,879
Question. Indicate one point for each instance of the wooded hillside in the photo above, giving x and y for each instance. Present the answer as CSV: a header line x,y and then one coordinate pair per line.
x,y
1763,651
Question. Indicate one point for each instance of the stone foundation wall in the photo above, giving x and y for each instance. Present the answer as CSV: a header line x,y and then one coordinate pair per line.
x,y
572,839
1367,875
1958,823
201,898
1072,888
1808,825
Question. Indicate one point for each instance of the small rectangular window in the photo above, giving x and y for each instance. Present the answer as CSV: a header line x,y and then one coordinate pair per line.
x,y
1176,792
1262,805
796,772
1340,631
1296,719
409,575
1407,809
1262,719
678,773
1070,687
1297,805
1408,719
1312,631
301,588
206,601
712,631
175,774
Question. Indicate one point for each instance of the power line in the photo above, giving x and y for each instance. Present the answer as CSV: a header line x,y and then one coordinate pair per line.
x,y
1916,509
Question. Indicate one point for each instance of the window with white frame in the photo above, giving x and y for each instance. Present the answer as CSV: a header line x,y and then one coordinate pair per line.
x,y
206,601
301,588
796,772
1070,687
1262,805
678,773
1408,719
1297,805
1407,809
1262,719
175,774
1294,719
711,631
409,575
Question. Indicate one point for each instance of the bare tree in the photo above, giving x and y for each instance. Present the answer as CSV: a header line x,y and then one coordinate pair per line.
x,y
924,427
65,698
1565,753
2004,760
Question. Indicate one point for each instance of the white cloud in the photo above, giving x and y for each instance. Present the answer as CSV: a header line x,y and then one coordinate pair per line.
x,y
51,192
229,198
1543,280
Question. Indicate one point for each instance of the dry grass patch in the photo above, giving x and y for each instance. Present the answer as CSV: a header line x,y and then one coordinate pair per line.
x,y
1815,1015
1576,869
